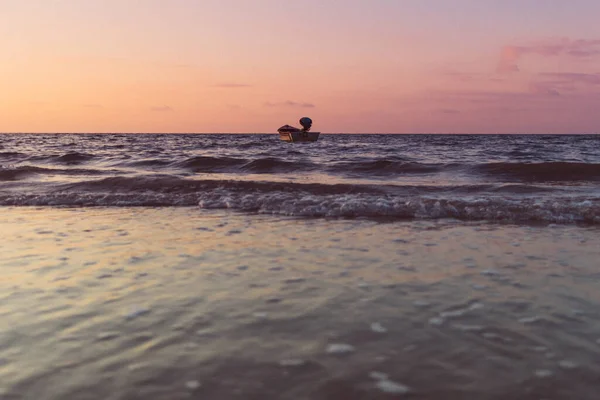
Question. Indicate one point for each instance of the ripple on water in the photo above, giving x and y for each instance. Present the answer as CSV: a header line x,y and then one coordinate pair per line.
x,y
378,328
543,373
192,385
292,362
391,387
340,348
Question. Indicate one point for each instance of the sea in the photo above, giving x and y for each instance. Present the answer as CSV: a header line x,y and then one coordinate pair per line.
x,y
230,266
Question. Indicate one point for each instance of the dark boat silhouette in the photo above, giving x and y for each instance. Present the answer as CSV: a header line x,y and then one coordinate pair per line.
x,y
292,134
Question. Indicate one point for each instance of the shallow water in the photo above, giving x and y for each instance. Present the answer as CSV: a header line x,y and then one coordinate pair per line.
x,y
174,303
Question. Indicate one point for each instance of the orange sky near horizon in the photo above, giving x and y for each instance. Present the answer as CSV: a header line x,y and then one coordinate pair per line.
x,y
383,66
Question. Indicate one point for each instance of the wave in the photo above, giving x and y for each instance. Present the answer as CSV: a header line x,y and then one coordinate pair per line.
x,y
21,172
11,155
275,165
174,185
469,202
209,164
344,165
543,171
71,158
228,164
153,162
385,167
565,211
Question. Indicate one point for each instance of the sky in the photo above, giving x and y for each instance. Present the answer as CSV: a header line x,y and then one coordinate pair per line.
x,y
353,66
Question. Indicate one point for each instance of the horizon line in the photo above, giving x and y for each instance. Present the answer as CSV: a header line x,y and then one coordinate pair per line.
x,y
322,133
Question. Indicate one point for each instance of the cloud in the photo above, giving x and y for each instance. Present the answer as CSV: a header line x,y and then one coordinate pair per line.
x,y
572,77
449,111
534,94
232,85
472,77
543,89
555,83
581,48
161,109
290,103
92,105
461,76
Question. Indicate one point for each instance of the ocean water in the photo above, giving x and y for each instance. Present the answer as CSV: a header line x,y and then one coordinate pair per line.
x,y
527,178
241,267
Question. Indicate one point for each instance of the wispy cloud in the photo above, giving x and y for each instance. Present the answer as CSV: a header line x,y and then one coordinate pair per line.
x,y
543,89
290,103
572,77
161,109
449,111
581,48
471,77
232,85
535,93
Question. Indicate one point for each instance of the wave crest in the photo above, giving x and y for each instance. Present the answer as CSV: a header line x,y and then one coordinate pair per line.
x,y
543,172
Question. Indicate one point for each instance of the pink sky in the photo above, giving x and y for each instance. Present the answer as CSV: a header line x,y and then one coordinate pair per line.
x,y
378,66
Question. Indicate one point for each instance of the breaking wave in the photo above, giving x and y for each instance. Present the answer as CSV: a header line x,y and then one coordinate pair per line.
x,y
469,202
22,172
68,158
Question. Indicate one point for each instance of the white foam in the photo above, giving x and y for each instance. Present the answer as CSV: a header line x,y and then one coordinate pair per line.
x,y
192,385
436,321
409,348
137,312
261,314
292,362
543,373
380,376
391,387
529,320
454,313
479,287
137,366
339,348
491,336
378,328
469,328
566,364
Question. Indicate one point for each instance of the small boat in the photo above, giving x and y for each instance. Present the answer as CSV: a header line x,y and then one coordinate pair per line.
x,y
291,134
299,136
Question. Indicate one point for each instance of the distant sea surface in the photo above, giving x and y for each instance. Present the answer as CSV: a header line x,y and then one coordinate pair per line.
x,y
514,178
